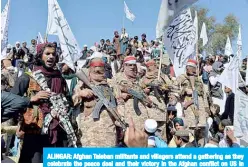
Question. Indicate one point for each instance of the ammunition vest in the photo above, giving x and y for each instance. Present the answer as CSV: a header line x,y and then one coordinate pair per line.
x,y
33,117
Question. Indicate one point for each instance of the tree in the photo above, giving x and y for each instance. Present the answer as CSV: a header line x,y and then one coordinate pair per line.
x,y
217,32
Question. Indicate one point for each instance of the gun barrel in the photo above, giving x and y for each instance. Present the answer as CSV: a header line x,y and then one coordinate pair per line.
x,y
82,76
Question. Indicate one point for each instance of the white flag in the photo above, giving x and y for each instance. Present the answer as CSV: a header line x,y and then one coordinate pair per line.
x,y
40,39
204,35
180,40
163,17
57,25
246,82
239,43
5,26
241,115
129,14
230,76
196,26
168,11
228,48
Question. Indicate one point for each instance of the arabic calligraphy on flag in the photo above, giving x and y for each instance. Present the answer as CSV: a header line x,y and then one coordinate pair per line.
x,y
241,115
169,9
58,25
180,40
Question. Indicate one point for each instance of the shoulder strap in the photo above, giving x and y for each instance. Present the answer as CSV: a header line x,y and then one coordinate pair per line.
x,y
29,74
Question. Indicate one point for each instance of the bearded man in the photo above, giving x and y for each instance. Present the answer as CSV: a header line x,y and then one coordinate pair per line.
x,y
128,103
156,90
192,93
47,113
96,123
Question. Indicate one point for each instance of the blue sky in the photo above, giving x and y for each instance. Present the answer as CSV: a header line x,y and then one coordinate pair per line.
x,y
91,20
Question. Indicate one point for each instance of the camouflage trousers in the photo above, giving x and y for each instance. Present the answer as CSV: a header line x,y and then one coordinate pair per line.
x,y
97,133
191,114
126,109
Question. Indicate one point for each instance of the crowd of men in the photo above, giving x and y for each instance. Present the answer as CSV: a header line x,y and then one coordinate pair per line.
x,y
119,98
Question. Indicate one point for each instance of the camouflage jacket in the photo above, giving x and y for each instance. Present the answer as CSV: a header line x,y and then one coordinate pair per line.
x,y
184,83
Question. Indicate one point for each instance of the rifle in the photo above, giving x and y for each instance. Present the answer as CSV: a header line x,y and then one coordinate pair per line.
x,y
110,107
195,93
195,98
156,88
206,133
140,97
136,98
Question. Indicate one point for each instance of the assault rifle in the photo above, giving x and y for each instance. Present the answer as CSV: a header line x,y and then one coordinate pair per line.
x,y
195,98
140,97
110,107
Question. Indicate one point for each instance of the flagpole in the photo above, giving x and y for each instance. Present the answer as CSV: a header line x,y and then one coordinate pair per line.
x,y
37,39
196,46
123,17
161,54
246,77
45,39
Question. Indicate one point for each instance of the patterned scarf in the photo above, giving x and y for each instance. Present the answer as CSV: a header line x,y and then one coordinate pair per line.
x,y
54,81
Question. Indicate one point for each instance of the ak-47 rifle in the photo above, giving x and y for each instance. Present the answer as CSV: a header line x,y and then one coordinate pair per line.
x,y
195,98
110,107
195,93
139,97
157,89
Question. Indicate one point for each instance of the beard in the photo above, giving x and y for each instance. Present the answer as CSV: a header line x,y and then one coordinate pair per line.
x,y
131,73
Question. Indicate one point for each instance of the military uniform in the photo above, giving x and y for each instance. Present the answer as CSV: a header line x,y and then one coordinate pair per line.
x,y
126,108
156,95
96,131
186,83
156,113
123,82
192,113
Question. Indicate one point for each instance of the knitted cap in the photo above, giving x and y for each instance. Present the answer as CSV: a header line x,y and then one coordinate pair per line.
x,y
179,121
151,125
